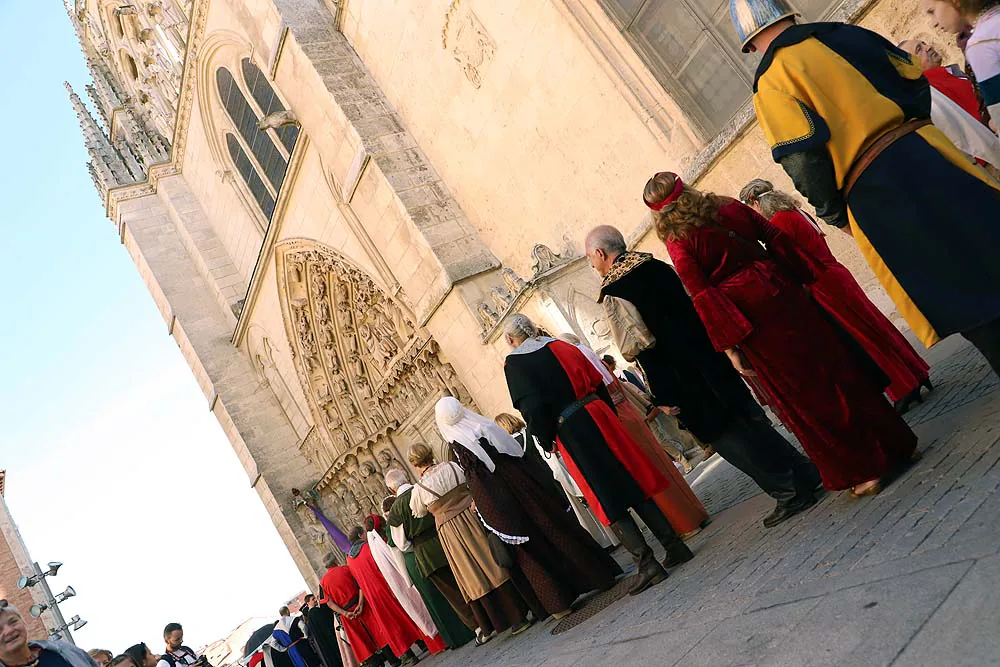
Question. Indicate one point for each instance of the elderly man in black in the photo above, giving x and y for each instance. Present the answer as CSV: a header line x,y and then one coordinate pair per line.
x,y
655,323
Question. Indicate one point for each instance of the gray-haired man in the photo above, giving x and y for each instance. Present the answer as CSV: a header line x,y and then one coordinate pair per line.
x,y
688,378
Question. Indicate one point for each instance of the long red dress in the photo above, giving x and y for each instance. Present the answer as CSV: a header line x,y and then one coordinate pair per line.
x,y
840,294
677,501
747,300
363,632
397,627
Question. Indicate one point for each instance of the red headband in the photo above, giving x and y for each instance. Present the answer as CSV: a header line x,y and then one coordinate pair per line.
x,y
671,198
377,520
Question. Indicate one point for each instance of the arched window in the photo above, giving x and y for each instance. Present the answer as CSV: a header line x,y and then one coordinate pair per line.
x,y
248,172
260,160
263,94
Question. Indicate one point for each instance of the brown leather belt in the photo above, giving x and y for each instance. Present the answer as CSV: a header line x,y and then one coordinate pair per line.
x,y
876,149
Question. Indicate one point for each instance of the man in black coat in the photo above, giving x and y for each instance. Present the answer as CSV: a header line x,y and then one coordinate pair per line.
x,y
690,379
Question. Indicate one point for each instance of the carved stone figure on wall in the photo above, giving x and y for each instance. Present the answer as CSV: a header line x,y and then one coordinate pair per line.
x,y
487,315
314,529
545,259
473,47
352,509
387,461
513,282
454,385
332,416
399,322
373,484
343,298
501,299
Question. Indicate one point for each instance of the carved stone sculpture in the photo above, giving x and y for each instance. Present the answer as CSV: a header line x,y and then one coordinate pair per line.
x,y
487,315
545,259
513,282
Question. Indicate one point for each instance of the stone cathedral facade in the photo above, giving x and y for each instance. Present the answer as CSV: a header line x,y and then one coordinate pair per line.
x,y
336,203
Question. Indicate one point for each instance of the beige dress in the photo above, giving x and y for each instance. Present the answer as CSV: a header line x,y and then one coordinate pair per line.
x,y
442,491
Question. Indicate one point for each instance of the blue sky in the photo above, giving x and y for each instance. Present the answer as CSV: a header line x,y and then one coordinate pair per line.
x,y
115,465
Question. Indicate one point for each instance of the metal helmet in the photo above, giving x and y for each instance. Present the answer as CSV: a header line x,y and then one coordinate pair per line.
x,y
752,16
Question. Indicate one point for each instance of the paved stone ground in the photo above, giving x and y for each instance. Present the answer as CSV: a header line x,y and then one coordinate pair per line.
x,y
910,577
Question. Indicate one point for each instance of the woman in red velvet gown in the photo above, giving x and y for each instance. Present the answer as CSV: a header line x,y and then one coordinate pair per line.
x,y
840,294
753,305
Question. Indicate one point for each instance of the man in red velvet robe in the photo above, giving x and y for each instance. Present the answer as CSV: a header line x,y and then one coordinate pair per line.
x,y
564,402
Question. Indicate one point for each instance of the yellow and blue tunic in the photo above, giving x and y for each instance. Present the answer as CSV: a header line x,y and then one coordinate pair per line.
x,y
924,217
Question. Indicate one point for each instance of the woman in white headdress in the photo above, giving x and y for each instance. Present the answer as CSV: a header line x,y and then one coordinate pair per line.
x,y
517,503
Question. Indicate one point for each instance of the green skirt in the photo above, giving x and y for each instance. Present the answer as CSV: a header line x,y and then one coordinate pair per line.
x,y
453,631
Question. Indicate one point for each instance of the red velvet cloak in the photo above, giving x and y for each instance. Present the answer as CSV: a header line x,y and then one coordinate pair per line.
x,y
839,294
748,300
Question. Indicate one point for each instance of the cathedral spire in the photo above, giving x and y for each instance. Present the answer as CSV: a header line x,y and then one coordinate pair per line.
x,y
107,165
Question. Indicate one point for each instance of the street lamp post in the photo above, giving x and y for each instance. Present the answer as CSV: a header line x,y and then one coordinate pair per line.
x,y
51,603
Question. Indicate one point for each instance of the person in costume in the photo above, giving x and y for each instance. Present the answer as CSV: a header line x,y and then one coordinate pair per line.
x,y
847,115
755,310
392,565
427,565
836,290
675,440
564,402
442,491
954,104
343,595
519,431
694,382
516,501
320,625
398,629
678,503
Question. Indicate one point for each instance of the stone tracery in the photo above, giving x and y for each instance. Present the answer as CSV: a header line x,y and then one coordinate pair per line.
x,y
368,373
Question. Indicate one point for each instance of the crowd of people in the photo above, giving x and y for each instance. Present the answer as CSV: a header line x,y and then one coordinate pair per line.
x,y
518,519
516,522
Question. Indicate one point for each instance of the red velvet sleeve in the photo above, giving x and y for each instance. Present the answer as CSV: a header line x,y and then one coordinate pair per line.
x,y
725,323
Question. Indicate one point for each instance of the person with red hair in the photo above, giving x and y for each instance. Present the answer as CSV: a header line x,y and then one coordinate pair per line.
x,y
756,311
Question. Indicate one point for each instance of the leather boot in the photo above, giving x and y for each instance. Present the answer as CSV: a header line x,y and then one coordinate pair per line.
x,y
677,551
649,572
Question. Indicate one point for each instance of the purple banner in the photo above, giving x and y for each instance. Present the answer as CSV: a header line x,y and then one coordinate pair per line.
x,y
338,537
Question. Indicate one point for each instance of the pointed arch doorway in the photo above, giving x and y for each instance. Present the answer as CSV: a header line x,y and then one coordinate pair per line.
x,y
370,376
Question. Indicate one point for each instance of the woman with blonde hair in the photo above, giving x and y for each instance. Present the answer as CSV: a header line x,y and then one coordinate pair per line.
x,y
839,294
442,490
755,310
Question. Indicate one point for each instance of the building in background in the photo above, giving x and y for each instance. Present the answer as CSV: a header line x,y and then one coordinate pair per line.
x,y
15,562
336,203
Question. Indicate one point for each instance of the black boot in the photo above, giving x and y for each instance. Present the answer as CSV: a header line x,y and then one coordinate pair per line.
x,y
787,509
677,551
649,571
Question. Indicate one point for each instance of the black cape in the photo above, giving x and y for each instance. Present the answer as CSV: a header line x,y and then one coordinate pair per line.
x,y
320,622
683,368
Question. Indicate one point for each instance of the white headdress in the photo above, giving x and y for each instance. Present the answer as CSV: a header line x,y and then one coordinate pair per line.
x,y
463,426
